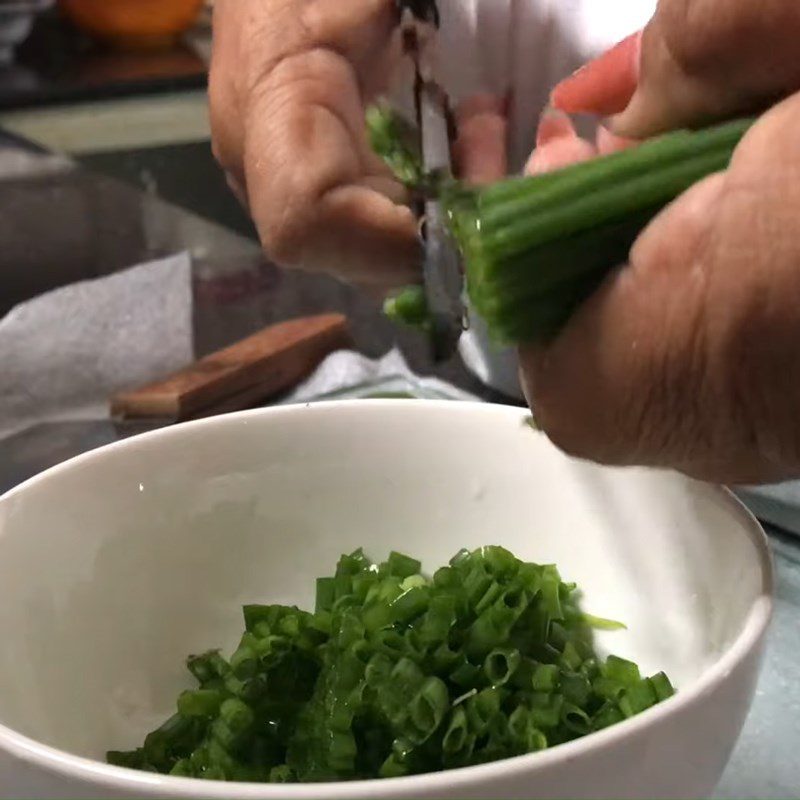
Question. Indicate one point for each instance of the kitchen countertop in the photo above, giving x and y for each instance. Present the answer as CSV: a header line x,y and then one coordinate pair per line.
x,y
61,223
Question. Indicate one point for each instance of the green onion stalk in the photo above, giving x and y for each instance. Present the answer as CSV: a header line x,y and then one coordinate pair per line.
x,y
534,248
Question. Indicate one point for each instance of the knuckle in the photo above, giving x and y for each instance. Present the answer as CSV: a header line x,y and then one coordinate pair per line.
x,y
294,223
285,238
690,29
709,38
290,216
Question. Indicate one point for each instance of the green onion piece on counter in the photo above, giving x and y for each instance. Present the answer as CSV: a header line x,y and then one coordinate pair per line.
x,y
396,673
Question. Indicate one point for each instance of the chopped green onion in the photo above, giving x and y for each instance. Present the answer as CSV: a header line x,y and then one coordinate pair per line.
x,y
428,708
500,665
200,703
326,593
637,697
608,715
600,624
576,719
410,605
402,566
621,670
662,686
281,774
458,742
482,708
397,674
545,677
409,307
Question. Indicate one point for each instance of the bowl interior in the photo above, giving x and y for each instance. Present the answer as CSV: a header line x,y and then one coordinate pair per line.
x,y
117,565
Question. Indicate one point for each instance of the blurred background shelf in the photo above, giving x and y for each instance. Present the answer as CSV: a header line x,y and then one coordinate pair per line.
x,y
137,115
60,64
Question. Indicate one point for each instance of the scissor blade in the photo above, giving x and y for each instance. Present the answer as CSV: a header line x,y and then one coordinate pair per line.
x,y
442,268
442,276
434,128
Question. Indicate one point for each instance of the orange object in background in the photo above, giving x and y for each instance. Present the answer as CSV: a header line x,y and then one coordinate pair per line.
x,y
133,23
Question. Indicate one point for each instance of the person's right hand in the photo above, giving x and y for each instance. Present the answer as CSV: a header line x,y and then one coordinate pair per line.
x,y
289,81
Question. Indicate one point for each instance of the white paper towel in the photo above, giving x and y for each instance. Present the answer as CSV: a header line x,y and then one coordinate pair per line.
x,y
346,369
63,353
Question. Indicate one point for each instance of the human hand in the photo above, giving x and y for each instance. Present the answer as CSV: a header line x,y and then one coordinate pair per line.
x,y
689,356
697,61
289,82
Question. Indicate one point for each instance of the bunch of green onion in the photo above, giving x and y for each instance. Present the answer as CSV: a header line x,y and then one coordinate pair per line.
x,y
396,673
534,248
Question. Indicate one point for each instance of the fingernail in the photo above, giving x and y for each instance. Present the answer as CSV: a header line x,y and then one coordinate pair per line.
x,y
554,124
603,86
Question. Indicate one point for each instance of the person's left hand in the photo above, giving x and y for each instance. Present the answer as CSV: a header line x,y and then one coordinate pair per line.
x,y
689,356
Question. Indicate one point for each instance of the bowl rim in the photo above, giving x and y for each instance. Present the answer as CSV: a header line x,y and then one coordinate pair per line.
x,y
56,762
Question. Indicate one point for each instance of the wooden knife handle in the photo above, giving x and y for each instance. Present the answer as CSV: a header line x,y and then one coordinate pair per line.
x,y
254,369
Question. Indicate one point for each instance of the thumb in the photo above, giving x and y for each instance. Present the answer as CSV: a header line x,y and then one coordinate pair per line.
x,y
667,94
695,62
638,84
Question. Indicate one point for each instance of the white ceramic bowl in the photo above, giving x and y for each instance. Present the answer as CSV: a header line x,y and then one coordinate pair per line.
x,y
117,564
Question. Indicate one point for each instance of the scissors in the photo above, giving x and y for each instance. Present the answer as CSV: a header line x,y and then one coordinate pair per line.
x,y
442,269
